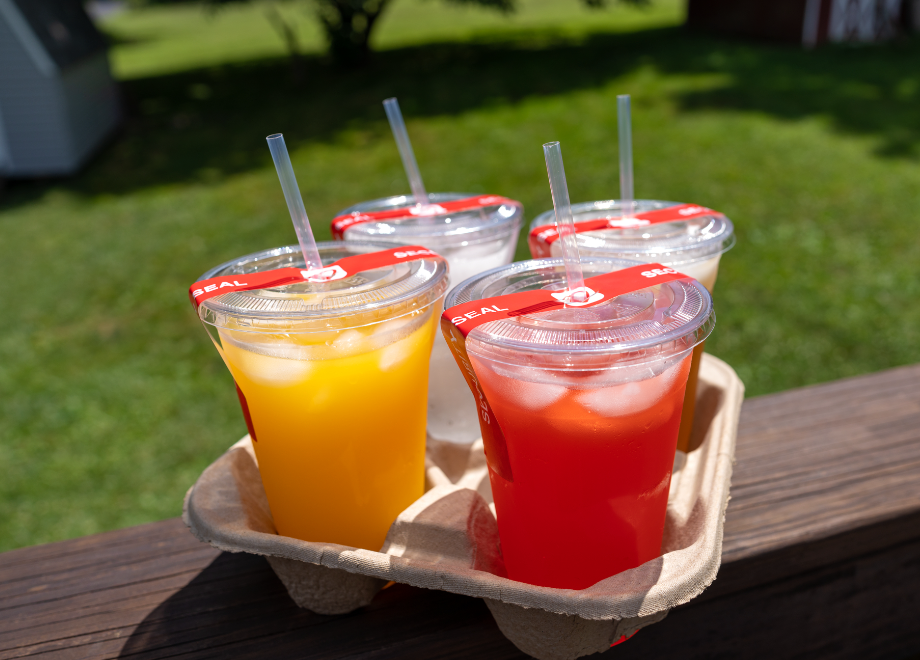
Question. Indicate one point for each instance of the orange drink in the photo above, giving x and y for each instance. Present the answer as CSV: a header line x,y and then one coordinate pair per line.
x,y
333,379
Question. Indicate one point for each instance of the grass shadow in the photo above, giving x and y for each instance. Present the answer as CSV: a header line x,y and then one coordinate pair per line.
x,y
212,122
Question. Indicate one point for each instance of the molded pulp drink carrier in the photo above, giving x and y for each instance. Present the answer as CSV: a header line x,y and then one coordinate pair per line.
x,y
448,540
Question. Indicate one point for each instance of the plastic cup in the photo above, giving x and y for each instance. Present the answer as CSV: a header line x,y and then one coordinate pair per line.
x,y
472,242
694,247
589,402
332,380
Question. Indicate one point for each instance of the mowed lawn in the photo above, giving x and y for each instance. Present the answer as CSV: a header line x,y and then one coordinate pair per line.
x,y
112,399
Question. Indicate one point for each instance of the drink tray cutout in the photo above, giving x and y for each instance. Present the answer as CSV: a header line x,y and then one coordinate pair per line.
x,y
448,540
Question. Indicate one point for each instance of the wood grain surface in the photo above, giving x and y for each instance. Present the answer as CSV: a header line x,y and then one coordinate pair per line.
x,y
821,560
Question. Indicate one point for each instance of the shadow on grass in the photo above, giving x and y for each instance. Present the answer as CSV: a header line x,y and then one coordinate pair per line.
x,y
212,122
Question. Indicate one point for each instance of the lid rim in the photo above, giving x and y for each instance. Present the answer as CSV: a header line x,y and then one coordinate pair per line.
x,y
497,226
427,291
472,237
703,319
706,325
708,249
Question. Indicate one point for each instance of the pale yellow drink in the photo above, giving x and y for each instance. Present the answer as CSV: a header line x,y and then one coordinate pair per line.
x,y
338,413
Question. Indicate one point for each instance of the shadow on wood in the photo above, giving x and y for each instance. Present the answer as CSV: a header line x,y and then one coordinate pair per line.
x,y
238,601
856,608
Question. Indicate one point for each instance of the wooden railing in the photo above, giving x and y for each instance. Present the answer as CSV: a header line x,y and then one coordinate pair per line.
x,y
821,559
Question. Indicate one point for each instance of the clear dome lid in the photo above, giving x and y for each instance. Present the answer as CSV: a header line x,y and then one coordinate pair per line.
x,y
358,299
437,228
667,318
670,243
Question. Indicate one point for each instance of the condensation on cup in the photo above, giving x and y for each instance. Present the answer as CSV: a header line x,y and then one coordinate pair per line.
x,y
589,402
472,242
694,247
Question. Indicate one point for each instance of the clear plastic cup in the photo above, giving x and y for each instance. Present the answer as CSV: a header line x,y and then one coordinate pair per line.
x,y
588,400
694,247
332,380
472,242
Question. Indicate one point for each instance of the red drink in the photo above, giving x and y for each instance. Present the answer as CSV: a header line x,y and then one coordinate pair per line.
x,y
587,401
592,466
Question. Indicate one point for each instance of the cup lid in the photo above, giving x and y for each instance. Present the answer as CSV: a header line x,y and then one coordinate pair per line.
x,y
670,243
436,229
661,319
358,299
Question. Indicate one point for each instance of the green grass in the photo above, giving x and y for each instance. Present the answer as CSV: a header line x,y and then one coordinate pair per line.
x,y
112,399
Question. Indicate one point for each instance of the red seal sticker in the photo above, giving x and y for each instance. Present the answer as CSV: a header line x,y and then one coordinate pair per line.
x,y
342,222
545,235
459,320
205,289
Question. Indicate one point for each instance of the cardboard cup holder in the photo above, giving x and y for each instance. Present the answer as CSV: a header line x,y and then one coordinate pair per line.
x,y
448,540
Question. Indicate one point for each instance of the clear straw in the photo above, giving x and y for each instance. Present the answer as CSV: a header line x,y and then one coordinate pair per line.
x,y
624,119
294,201
398,127
565,223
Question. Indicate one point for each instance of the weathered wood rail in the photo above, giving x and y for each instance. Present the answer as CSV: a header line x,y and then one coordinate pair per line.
x,y
821,560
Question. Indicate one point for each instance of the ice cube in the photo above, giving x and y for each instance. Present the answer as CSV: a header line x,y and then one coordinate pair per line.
x,y
629,398
536,396
269,371
401,325
349,342
521,393
396,353
615,401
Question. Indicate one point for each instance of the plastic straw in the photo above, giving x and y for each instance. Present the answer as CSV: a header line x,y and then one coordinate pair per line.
x,y
294,201
565,223
405,150
624,120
